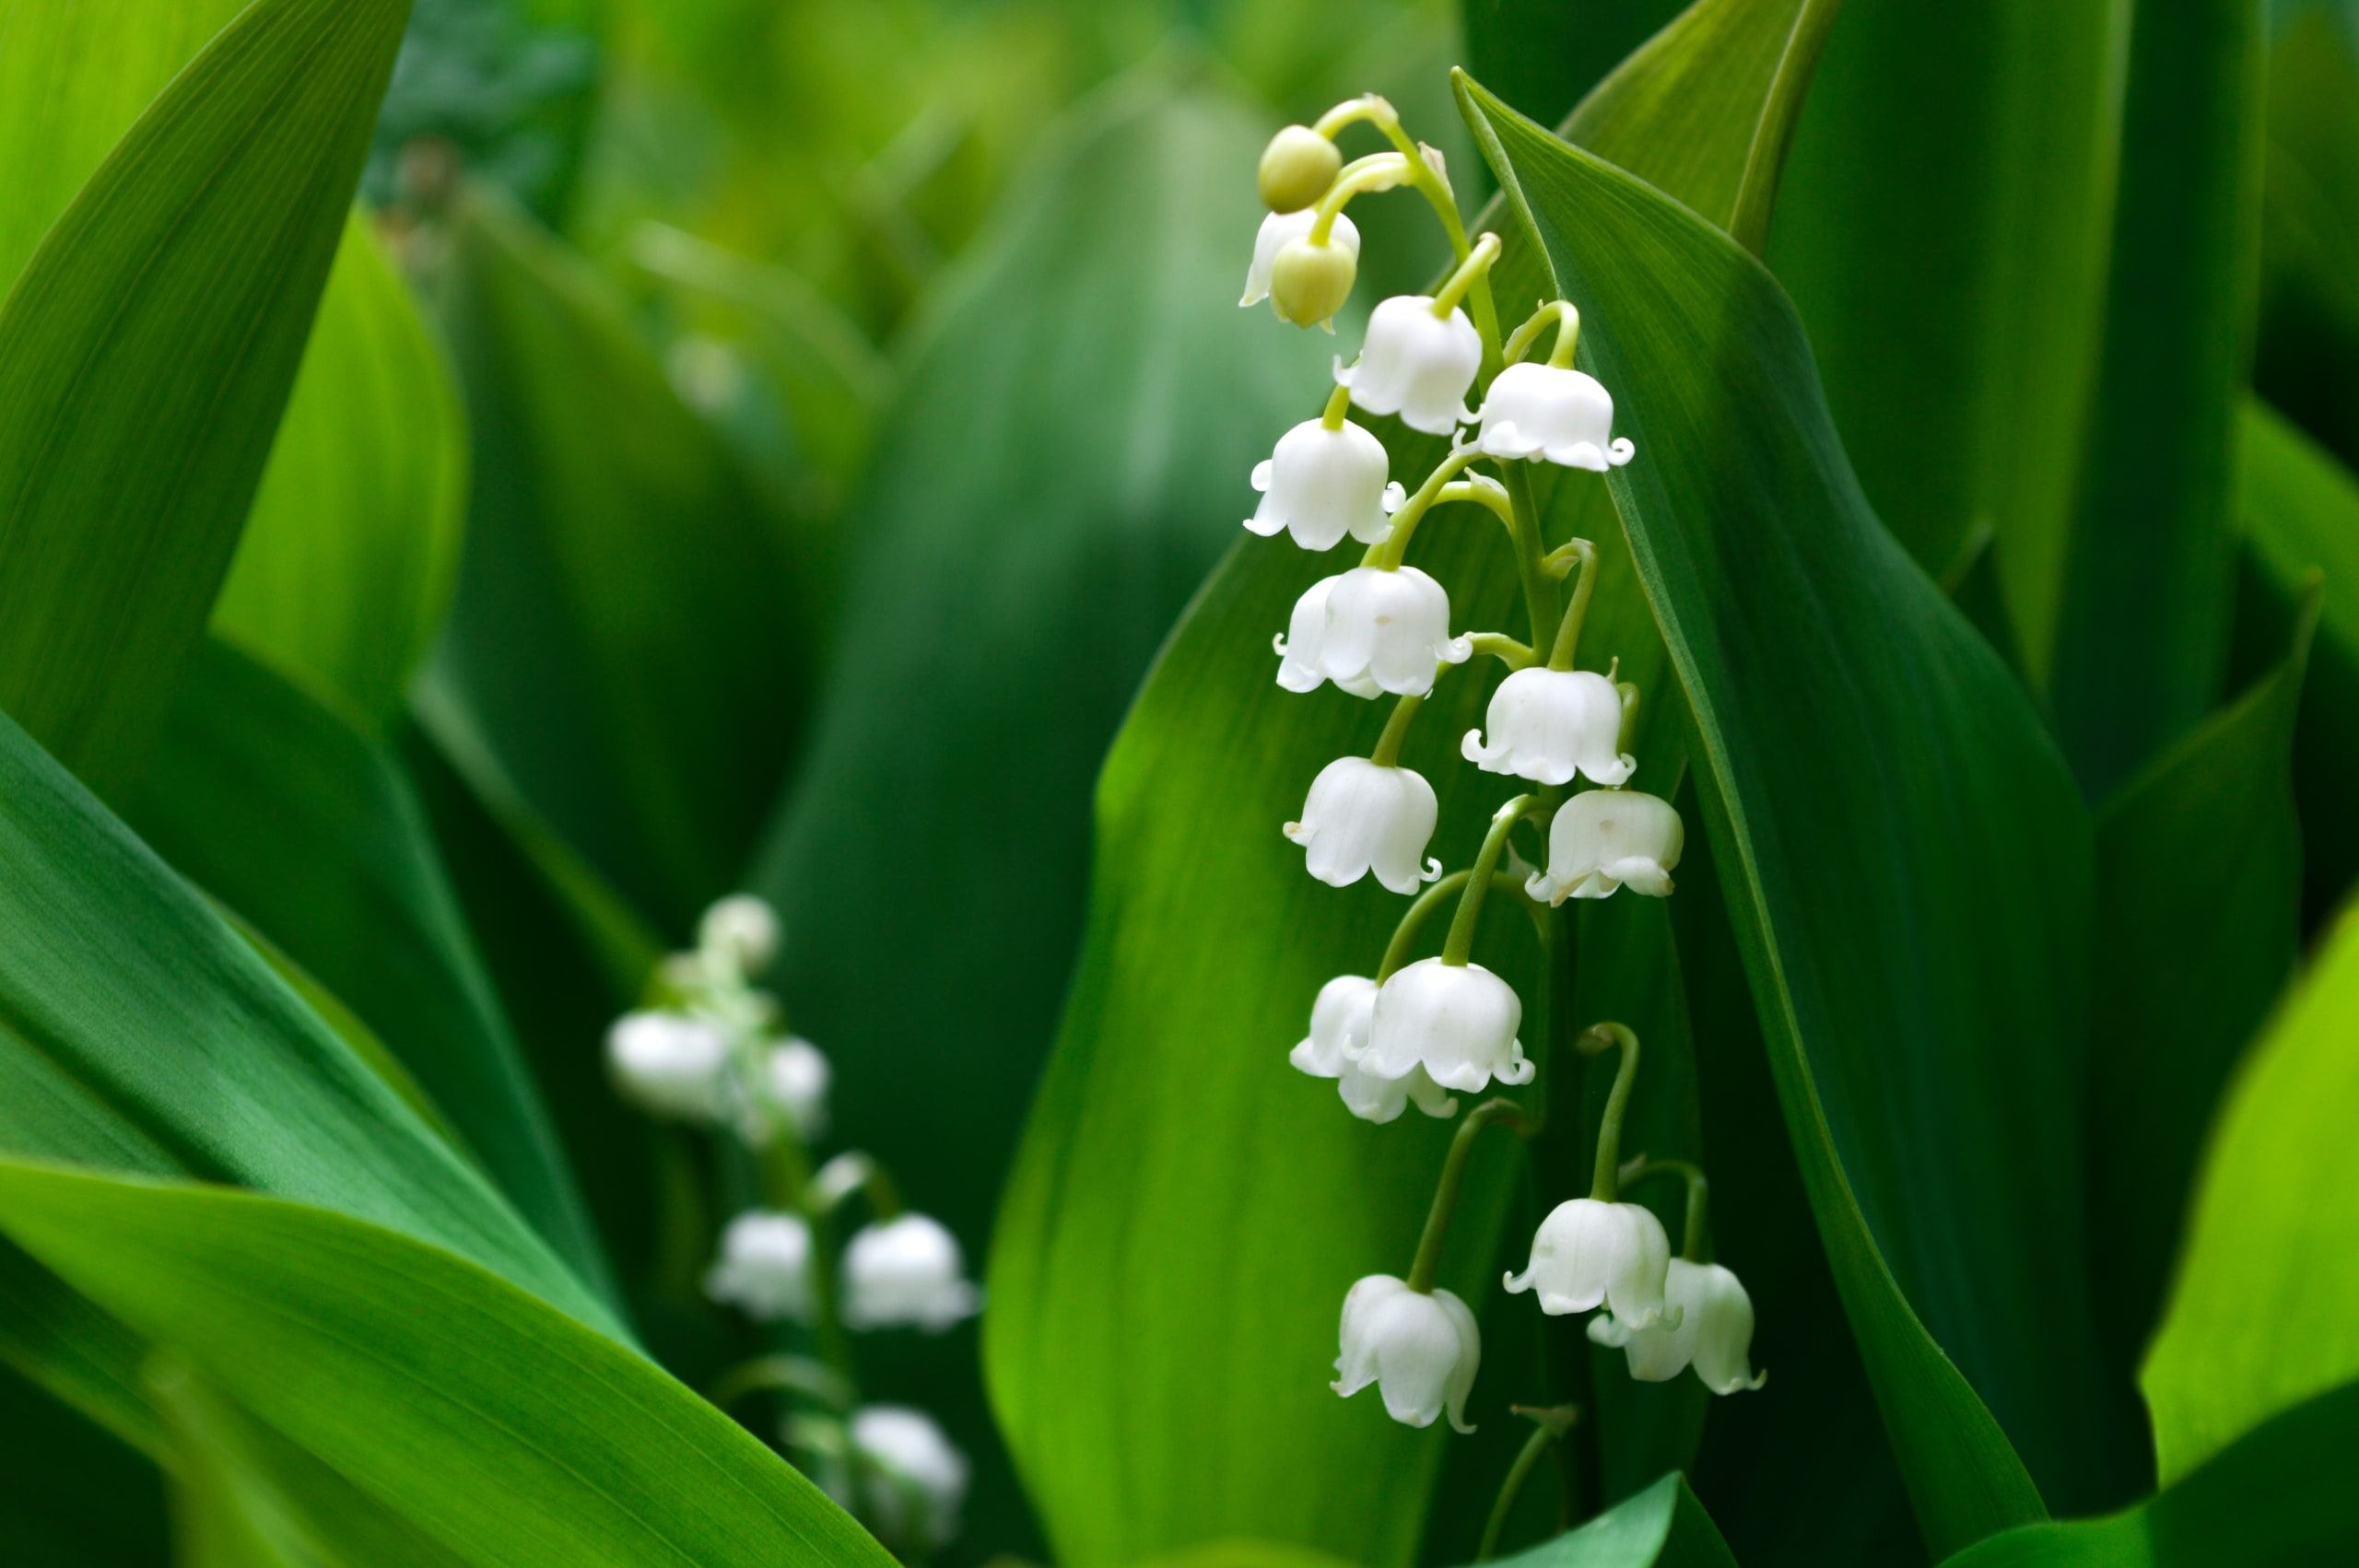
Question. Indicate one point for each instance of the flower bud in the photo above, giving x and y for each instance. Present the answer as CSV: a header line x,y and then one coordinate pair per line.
x,y
797,1075
1297,167
1309,282
670,1064
743,928
1364,817
1603,838
1421,1351
1276,232
764,1270
1546,725
914,1480
907,1271
1589,1252
1714,1332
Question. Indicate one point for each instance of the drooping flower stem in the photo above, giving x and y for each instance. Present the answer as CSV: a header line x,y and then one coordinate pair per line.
x,y
1568,630
1691,1246
1377,171
789,1187
1549,1426
1539,587
1389,554
1396,729
1427,1264
790,1373
1459,947
1468,273
1339,404
1569,331
1404,936
1627,738
851,1172
1606,1185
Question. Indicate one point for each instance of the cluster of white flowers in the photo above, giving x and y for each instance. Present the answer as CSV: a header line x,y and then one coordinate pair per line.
x,y
715,1053
1419,1029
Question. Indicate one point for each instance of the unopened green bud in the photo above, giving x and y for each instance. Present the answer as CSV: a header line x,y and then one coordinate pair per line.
x,y
1309,282
1297,167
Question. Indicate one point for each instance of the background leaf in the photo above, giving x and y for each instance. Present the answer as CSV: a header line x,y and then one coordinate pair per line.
x,y
1663,1525
1544,56
74,1495
151,343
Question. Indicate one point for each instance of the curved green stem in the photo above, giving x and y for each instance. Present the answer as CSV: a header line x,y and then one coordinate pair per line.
x,y
796,1375
1699,1192
1377,171
1568,630
1465,276
1339,404
1551,1424
1389,554
1628,736
851,1172
1396,729
1506,1113
1568,329
1503,647
1404,935
1460,944
1600,1037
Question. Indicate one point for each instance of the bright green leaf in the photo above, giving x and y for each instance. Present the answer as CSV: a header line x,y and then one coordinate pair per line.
x,y
346,562
150,344
1662,1527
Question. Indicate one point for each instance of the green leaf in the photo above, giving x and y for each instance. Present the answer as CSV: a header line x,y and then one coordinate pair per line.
x,y
468,1409
278,805
1943,228
626,636
2307,358
1865,763
72,1496
138,1032
1544,56
2198,918
2279,1497
347,563
2260,1314
2142,646
151,342
1663,1527
2300,513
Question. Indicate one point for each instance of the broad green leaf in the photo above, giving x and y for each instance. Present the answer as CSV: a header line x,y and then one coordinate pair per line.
x,y
2260,1310
2307,358
2279,1497
2198,918
138,1032
1864,761
2299,509
1544,56
626,636
1943,228
151,341
1245,1551
346,565
278,805
1662,1527
2141,643
468,1409
72,1496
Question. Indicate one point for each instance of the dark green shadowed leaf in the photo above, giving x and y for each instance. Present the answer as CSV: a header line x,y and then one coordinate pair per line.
x,y
279,806
1943,228
72,1494
346,565
2142,646
2305,358
2280,1497
2199,918
625,637
2260,1314
1662,1527
1544,56
138,1032
465,1408
150,344
1864,762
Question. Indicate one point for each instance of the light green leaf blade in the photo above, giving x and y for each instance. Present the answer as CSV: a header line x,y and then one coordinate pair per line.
x,y
1944,227
138,1032
346,562
1854,732
1662,1527
279,806
626,636
469,1408
2199,919
2259,1316
151,342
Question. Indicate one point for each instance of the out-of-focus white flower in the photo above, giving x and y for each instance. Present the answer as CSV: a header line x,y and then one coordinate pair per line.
x,y
1604,839
1339,1033
1590,1253
1302,646
743,928
907,1271
1320,485
1546,725
764,1268
912,1481
670,1064
1364,817
1391,627
1276,232
797,1074
1714,1332
1544,411
1457,1021
1420,1350
1415,364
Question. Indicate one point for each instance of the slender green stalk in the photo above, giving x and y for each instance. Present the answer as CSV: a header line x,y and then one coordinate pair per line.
x,y
1469,272
1628,736
1503,647
793,1374
1404,935
1691,1246
1460,944
1396,729
1568,630
1389,554
1604,1184
1549,1426
1568,329
1339,404
1531,563
1427,1264
1377,171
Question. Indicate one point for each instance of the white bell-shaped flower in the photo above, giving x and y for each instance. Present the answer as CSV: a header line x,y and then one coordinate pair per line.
x,y
1364,817
912,1480
1714,1333
743,928
764,1268
1544,412
1320,485
907,1271
1547,725
1281,226
1416,365
1590,1253
670,1064
1420,1350
1457,1021
1302,647
797,1074
1391,627
1603,839
1339,1031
